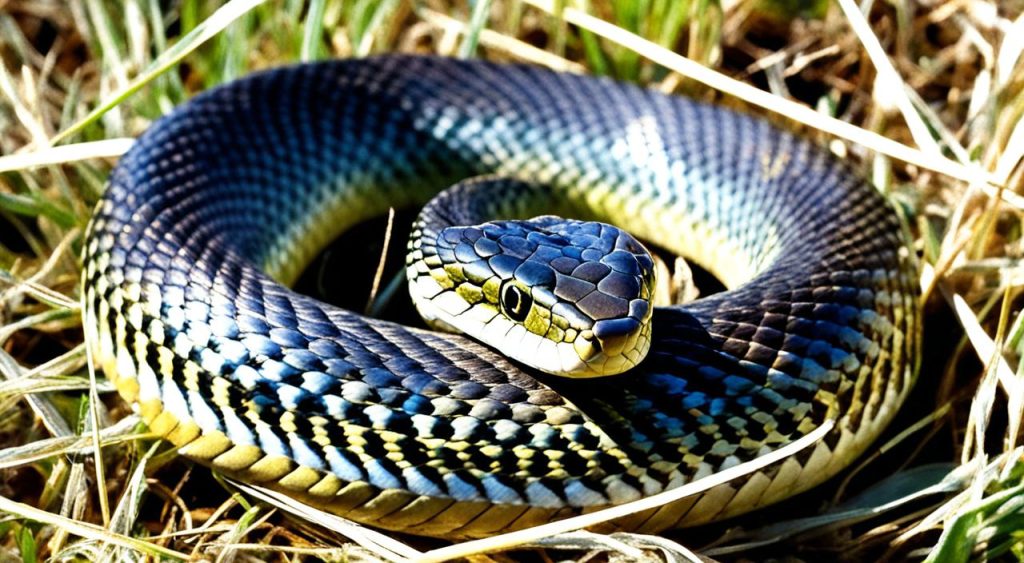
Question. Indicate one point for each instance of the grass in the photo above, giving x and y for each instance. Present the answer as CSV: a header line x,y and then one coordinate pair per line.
x,y
925,99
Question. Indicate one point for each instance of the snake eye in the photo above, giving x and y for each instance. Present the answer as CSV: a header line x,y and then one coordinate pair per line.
x,y
515,302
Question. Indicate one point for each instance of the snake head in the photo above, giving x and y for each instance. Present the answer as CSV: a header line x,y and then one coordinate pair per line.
x,y
567,297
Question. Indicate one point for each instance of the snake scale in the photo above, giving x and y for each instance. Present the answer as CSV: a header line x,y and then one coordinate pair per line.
x,y
227,198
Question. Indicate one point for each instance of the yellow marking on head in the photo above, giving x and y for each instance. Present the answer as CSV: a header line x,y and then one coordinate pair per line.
x,y
432,260
490,290
442,280
470,293
454,272
584,348
562,323
535,322
556,334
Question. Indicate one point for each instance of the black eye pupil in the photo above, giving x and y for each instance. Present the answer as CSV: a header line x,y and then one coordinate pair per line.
x,y
512,298
515,302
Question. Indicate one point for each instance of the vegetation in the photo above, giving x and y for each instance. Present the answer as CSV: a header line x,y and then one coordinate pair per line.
x,y
925,98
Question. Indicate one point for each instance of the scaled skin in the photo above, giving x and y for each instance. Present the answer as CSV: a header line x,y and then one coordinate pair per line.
x,y
220,202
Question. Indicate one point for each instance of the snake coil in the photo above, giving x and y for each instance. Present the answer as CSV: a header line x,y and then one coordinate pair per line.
x,y
226,198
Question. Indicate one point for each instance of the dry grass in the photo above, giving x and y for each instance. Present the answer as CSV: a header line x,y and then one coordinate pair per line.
x,y
926,98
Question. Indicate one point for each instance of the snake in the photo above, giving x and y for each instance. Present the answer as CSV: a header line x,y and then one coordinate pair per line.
x,y
219,205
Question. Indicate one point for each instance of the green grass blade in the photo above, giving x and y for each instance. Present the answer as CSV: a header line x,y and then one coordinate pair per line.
x,y
477,20
312,31
203,32
33,206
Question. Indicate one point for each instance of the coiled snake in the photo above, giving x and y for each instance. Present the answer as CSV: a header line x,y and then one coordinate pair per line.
x,y
229,196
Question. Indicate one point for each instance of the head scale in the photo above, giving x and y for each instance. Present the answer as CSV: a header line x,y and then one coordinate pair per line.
x,y
567,297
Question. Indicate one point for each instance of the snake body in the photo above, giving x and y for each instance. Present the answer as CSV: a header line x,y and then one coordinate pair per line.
x,y
226,198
